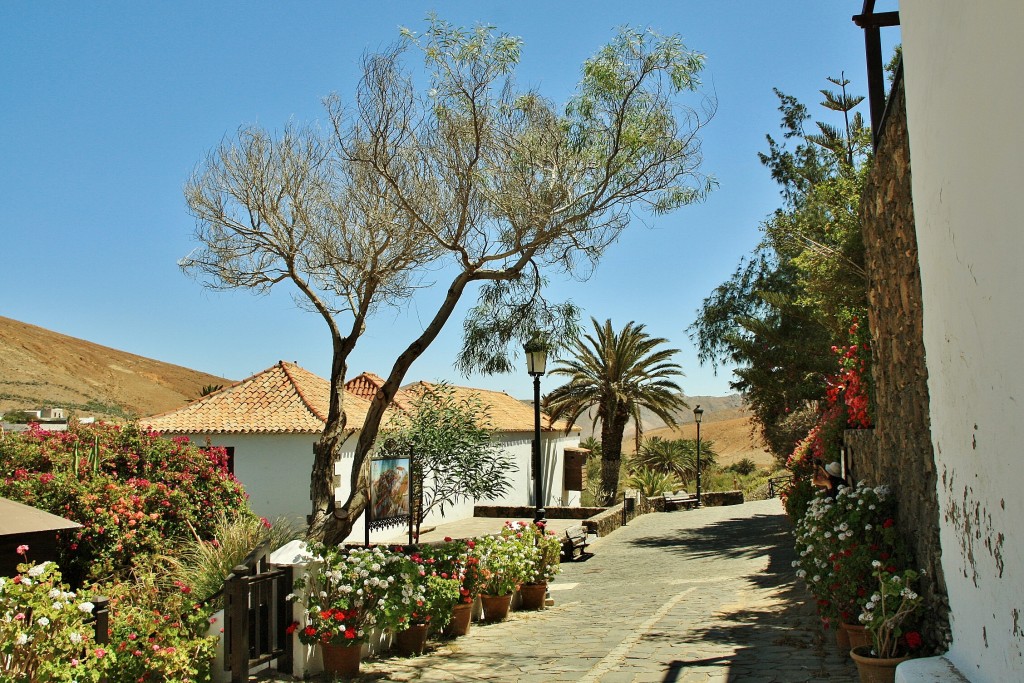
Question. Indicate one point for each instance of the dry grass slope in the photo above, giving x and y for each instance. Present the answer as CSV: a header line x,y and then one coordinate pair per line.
x,y
42,368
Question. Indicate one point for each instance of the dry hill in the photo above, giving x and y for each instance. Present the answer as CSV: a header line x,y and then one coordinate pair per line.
x,y
727,423
40,368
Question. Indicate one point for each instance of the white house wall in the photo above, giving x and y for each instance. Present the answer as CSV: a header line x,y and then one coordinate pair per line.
x,y
275,470
963,64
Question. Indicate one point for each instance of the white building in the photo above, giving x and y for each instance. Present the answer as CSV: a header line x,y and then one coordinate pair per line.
x,y
270,421
962,64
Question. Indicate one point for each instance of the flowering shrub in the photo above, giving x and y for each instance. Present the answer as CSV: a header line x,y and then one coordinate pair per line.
x,y
506,561
838,540
44,629
133,492
544,562
348,592
157,629
45,634
887,612
456,559
847,405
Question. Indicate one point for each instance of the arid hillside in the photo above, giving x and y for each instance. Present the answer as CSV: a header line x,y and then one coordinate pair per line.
x,y
726,422
40,368
733,439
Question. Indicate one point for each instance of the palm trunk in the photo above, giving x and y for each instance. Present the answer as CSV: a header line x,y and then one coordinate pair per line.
x,y
611,459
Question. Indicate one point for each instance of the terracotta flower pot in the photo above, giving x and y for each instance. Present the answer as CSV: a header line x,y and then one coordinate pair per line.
x,y
496,607
533,595
858,635
341,659
411,641
842,638
875,669
462,617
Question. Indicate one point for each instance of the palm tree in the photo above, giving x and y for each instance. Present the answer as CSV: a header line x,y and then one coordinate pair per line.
x,y
618,374
677,457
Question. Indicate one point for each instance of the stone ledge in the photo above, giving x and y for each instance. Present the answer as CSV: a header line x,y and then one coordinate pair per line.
x,y
929,670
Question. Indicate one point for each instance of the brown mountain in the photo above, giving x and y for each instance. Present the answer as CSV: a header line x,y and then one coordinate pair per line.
x,y
40,368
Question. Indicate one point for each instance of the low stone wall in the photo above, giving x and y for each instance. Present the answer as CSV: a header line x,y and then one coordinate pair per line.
x,y
526,511
718,498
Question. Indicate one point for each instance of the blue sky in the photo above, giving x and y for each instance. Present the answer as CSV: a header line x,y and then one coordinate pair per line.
x,y
106,108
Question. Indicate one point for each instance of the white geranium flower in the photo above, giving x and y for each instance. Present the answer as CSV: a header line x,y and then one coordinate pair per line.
x,y
21,639
75,637
87,607
38,569
43,621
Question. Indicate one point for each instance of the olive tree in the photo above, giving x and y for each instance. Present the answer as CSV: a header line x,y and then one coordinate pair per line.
x,y
447,176
449,437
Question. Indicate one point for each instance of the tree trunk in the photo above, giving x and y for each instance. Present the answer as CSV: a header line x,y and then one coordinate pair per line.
x,y
611,458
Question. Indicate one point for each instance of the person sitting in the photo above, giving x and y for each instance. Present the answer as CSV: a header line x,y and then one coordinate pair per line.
x,y
829,478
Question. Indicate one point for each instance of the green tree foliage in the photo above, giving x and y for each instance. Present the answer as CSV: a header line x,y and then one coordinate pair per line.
x,y
449,172
652,483
618,373
790,301
454,455
676,457
18,417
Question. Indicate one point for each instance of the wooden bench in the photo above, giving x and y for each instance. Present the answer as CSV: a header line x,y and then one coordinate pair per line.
x,y
679,499
574,543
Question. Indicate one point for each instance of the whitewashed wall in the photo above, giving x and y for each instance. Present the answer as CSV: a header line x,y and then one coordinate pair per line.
x,y
275,470
964,64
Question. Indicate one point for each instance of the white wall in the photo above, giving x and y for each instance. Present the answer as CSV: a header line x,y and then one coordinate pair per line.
x,y
964,65
275,470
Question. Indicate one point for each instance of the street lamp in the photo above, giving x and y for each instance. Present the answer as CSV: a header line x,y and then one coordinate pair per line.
x,y
536,364
698,415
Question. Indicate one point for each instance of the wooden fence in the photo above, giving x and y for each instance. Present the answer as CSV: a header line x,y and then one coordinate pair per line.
x,y
256,616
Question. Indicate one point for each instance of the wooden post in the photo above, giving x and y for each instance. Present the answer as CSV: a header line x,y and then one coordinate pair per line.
x,y
236,617
101,623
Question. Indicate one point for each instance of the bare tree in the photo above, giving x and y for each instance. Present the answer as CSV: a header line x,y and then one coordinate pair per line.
x,y
472,180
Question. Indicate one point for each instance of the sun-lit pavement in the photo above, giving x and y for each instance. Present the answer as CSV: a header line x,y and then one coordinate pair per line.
x,y
688,596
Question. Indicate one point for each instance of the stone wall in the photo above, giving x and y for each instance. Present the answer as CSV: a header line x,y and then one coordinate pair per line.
x,y
898,451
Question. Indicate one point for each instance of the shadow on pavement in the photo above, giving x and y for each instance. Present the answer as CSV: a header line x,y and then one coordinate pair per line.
x,y
779,634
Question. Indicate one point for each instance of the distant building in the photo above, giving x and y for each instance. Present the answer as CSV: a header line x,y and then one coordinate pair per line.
x,y
48,419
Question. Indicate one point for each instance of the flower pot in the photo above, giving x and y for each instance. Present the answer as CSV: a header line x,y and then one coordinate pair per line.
x,y
412,640
875,669
533,595
842,639
462,617
858,635
341,659
496,607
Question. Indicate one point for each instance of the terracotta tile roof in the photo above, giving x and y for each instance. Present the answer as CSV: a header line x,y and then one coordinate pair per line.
x,y
507,414
288,399
283,399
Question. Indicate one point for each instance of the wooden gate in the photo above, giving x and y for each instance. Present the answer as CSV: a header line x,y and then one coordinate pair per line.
x,y
256,616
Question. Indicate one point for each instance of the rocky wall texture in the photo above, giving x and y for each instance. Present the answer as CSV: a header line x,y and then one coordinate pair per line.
x,y
898,451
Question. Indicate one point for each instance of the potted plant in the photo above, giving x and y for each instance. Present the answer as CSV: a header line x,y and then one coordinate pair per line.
x,y
347,593
505,563
434,610
889,616
836,542
456,559
544,562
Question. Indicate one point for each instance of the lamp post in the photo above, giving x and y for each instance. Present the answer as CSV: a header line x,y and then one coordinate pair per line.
x,y
536,363
698,415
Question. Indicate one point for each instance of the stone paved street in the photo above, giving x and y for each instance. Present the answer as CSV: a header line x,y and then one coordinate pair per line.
x,y
689,596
